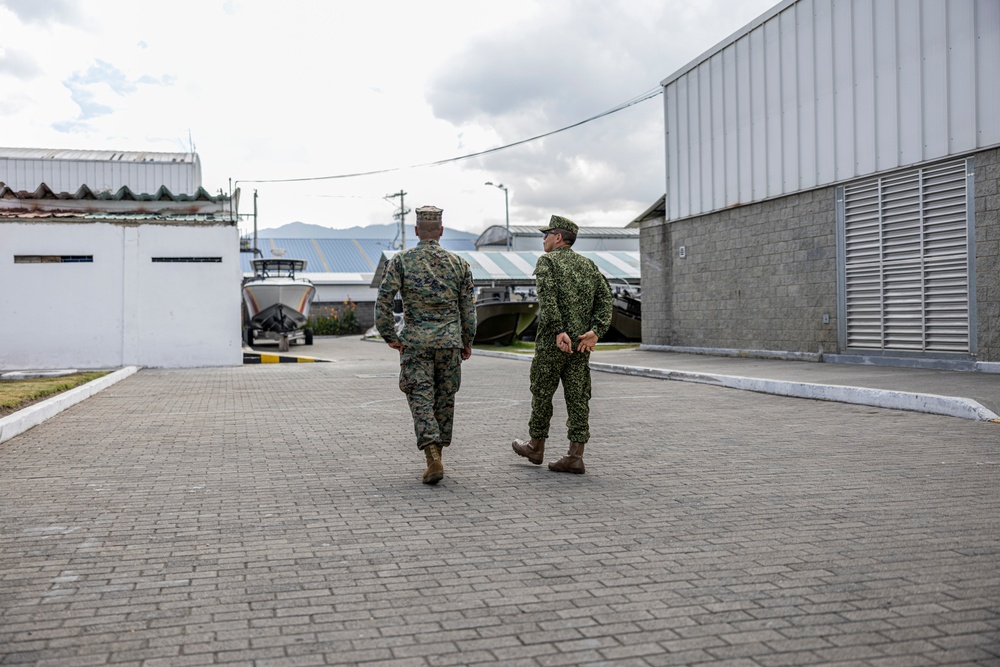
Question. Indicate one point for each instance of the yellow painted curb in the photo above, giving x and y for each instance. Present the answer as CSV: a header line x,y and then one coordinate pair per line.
x,y
261,358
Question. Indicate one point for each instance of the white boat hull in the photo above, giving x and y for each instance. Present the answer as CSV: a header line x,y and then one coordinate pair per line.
x,y
278,304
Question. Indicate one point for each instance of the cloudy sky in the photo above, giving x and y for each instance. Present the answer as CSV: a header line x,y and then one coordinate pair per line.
x,y
322,90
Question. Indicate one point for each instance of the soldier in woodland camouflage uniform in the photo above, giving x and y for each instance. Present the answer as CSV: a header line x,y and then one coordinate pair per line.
x,y
439,324
575,302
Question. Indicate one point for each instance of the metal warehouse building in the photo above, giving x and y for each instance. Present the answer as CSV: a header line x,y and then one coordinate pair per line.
x,y
833,188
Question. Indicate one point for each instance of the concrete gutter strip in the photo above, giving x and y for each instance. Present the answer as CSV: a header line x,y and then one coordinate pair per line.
x,y
733,352
951,406
503,355
33,415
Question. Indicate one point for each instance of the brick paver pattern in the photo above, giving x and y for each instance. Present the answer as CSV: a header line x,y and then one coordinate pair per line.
x,y
274,515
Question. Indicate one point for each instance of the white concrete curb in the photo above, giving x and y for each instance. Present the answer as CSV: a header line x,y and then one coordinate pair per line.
x,y
33,415
951,406
503,355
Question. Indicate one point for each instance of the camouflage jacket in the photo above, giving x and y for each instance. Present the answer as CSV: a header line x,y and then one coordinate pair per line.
x,y
574,297
439,308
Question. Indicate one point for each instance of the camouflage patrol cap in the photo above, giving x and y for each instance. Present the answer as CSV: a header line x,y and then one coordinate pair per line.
x,y
429,214
559,222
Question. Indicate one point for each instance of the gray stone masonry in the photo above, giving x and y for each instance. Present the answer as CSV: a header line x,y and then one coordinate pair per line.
x,y
655,264
272,514
755,277
987,195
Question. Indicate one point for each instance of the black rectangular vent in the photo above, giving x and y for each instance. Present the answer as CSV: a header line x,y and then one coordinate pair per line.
x,y
215,260
52,259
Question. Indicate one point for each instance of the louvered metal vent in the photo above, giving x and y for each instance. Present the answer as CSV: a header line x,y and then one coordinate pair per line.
x,y
906,252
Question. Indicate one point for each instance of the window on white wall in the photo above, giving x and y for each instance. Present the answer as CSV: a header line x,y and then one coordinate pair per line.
x,y
905,248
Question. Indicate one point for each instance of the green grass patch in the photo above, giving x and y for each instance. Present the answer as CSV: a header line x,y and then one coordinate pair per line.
x,y
18,394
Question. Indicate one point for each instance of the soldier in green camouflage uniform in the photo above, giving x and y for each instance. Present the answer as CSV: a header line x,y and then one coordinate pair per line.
x,y
575,302
439,324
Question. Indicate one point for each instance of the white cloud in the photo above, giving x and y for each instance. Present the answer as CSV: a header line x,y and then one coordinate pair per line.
x,y
19,65
43,12
313,88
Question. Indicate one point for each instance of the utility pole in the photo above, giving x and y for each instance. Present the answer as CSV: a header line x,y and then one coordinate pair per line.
x,y
506,206
256,251
402,217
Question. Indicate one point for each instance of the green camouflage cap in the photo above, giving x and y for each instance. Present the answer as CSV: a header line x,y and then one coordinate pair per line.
x,y
559,222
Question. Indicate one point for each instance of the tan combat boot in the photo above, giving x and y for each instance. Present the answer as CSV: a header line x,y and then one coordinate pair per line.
x,y
533,449
572,462
435,467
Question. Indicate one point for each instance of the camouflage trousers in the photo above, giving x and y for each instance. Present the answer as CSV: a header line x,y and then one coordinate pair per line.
x,y
548,368
430,379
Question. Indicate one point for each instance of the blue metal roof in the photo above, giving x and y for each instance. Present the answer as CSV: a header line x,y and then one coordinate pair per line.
x,y
334,255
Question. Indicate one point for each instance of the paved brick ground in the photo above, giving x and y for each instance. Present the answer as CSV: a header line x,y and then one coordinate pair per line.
x,y
273,515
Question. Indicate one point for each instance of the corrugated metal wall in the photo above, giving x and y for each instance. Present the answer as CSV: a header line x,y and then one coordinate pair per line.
x,y
66,171
827,90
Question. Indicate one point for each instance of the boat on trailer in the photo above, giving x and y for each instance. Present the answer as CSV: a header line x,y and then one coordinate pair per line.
x,y
503,314
626,315
276,302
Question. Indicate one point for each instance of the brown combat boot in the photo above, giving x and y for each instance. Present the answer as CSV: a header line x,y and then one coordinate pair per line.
x,y
572,462
435,467
533,449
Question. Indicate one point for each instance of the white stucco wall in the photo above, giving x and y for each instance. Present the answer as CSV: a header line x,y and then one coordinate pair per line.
x,y
121,309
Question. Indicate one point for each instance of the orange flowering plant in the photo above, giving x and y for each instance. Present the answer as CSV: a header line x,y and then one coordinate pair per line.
x,y
334,323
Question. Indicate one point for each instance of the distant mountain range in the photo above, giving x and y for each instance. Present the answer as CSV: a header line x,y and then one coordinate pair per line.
x,y
303,230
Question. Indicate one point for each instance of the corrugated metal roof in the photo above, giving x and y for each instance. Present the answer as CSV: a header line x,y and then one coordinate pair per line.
x,y
85,200
657,209
516,268
68,170
44,192
497,234
345,278
328,255
458,244
107,216
95,156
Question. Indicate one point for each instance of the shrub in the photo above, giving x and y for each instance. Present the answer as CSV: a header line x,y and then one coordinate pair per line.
x,y
333,323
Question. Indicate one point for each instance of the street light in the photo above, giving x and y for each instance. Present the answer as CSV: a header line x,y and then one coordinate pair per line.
x,y
506,206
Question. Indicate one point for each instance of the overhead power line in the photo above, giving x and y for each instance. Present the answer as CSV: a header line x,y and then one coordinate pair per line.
x,y
642,97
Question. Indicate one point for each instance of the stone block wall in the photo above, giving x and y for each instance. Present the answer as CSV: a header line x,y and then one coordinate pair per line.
x,y
987,207
756,277
654,261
